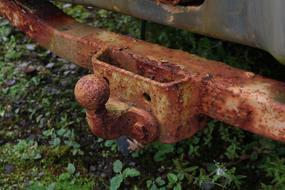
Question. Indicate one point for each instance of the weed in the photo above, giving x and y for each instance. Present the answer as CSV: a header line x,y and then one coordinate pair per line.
x,y
27,150
277,175
121,174
68,180
63,136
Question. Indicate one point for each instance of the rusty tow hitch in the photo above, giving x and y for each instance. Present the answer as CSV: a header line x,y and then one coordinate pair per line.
x,y
146,91
116,118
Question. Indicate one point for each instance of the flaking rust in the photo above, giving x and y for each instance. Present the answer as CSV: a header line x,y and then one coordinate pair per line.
x,y
146,91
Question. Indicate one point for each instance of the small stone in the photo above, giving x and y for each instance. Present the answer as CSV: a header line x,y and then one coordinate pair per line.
x,y
72,66
29,69
50,65
220,172
161,169
62,60
92,168
10,82
9,168
32,137
64,83
41,174
23,123
66,73
41,68
103,175
100,166
93,147
208,185
52,91
123,145
31,47
66,5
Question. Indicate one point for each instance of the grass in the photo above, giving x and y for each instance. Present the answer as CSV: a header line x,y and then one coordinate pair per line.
x,y
45,142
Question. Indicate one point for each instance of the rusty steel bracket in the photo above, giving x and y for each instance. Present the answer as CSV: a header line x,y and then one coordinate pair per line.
x,y
155,93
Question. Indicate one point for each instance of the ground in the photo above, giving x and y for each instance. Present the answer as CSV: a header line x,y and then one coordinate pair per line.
x,y
45,142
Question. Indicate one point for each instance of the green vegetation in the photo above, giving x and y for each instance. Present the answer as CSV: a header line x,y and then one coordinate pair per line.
x,y
121,174
45,142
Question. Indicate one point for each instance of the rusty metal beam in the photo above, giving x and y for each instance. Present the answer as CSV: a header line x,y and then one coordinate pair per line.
x,y
155,87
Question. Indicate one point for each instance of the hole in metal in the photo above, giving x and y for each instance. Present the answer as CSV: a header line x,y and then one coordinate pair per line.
x,y
147,97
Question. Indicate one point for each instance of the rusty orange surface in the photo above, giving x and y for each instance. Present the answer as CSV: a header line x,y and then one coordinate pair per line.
x,y
175,90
